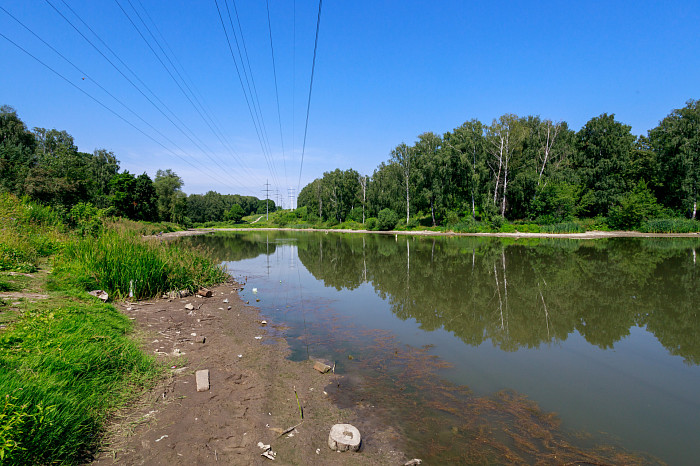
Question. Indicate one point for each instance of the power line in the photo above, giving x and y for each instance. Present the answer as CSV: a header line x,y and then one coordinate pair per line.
x,y
127,78
240,80
311,84
194,91
277,96
105,106
86,75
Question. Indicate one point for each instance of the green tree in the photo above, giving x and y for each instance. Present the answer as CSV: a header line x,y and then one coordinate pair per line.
x,y
145,199
387,219
170,196
404,158
121,194
432,172
234,214
602,163
17,147
676,142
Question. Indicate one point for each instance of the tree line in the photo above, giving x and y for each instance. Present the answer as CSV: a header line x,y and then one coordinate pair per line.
x,y
520,168
46,166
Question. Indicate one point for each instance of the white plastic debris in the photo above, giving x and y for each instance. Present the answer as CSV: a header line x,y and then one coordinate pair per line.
x,y
255,291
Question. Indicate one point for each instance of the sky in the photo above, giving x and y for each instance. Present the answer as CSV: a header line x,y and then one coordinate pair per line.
x,y
385,72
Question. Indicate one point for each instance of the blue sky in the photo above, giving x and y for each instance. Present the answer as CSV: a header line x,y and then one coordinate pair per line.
x,y
385,72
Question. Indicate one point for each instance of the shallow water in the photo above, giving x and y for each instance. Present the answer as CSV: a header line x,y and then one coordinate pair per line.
x,y
469,345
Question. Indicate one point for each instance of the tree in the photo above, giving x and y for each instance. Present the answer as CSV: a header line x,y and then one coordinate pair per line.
x,y
121,194
17,146
466,163
602,163
676,142
403,157
102,166
168,185
505,136
234,214
430,165
145,198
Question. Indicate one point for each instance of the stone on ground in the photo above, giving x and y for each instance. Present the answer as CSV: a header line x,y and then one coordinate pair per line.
x,y
344,437
202,378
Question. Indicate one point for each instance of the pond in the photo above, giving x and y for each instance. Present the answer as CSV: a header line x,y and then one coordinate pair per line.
x,y
494,350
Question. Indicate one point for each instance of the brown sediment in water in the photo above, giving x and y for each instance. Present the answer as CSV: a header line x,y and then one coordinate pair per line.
x,y
444,423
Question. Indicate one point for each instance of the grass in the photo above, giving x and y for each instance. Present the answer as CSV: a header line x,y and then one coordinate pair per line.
x,y
70,361
122,263
65,365
670,225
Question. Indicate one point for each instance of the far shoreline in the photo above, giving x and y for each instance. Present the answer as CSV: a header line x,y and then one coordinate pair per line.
x,y
517,235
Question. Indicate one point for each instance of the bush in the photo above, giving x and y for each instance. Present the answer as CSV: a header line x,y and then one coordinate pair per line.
x,y
634,208
387,219
372,224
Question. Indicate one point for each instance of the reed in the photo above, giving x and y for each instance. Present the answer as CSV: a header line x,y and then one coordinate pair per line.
x,y
123,264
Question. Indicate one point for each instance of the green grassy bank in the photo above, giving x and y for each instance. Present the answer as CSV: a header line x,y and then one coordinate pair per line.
x,y
388,220
67,360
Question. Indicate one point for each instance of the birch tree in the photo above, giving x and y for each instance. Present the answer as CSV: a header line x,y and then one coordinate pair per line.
x,y
506,136
404,156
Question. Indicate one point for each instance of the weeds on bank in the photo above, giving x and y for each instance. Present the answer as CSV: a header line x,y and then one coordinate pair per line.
x,y
64,366
124,264
68,362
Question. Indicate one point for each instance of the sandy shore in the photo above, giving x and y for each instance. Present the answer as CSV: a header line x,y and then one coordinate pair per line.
x,y
586,235
251,397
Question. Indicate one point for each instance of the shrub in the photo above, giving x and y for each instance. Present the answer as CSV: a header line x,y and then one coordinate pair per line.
x,y
634,208
372,224
387,219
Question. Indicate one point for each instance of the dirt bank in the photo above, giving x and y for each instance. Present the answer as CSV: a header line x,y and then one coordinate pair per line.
x,y
251,398
586,235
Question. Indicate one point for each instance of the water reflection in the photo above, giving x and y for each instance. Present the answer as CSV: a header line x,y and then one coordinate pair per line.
x,y
562,302
513,293
521,294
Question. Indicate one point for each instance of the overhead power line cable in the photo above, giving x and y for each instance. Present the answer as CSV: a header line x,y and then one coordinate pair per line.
x,y
250,71
199,98
250,82
216,162
277,95
311,84
245,94
127,78
86,75
100,103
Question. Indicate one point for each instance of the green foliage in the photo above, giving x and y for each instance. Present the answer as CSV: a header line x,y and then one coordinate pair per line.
x,y
387,219
372,224
554,202
65,366
564,227
634,208
234,214
85,219
24,236
670,225
120,263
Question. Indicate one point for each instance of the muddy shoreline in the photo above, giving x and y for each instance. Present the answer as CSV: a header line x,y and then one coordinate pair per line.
x,y
516,235
252,395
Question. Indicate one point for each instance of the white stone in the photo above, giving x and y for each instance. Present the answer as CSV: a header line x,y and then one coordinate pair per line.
x,y
344,437
189,306
202,378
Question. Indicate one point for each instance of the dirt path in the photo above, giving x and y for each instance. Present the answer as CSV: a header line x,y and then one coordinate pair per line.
x,y
251,398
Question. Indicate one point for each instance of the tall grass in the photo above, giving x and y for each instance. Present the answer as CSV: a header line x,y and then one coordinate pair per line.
x,y
63,367
121,263
670,225
27,233
565,227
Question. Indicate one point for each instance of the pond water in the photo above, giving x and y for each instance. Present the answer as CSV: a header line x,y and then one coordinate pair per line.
x,y
494,350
